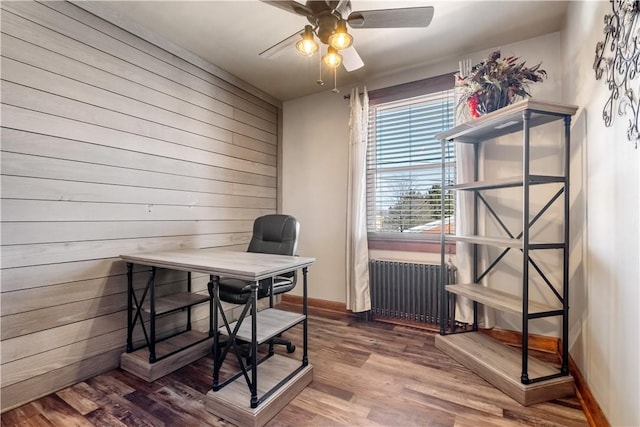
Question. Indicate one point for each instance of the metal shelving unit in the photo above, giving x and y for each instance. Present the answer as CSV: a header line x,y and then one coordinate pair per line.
x,y
517,118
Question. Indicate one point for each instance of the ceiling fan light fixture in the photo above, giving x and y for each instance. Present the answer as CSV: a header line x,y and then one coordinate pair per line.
x,y
341,39
307,46
332,58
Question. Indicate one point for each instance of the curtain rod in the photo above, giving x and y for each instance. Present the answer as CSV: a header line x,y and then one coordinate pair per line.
x,y
414,88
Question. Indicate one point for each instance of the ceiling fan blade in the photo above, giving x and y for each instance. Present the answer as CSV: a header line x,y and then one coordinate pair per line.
x,y
341,7
351,59
290,6
281,46
410,17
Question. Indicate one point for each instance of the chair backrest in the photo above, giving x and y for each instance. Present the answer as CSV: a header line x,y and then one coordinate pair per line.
x,y
275,234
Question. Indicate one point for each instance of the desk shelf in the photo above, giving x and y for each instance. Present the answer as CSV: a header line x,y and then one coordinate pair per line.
x,y
146,302
174,353
177,301
271,322
232,403
255,327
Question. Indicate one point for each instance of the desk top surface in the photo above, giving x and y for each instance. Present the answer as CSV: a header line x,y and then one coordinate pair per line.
x,y
241,265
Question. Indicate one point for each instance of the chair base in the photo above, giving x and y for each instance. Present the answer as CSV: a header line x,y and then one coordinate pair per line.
x,y
243,348
281,341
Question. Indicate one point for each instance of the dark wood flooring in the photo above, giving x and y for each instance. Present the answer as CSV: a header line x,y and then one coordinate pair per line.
x,y
365,374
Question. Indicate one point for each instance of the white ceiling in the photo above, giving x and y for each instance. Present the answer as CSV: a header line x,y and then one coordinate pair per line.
x,y
230,34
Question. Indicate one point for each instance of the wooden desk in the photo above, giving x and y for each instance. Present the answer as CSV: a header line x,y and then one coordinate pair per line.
x,y
241,265
251,267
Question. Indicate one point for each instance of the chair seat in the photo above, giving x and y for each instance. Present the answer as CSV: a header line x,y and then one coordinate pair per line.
x,y
274,234
238,291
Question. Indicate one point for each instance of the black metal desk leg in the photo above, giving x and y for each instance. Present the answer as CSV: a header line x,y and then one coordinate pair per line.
x,y
212,286
254,344
212,326
129,307
305,358
152,320
189,309
271,346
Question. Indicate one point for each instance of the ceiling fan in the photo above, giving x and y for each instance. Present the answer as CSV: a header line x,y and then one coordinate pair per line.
x,y
328,21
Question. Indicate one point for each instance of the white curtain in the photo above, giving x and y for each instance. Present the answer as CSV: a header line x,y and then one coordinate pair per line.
x,y
464,251
357,253
464,224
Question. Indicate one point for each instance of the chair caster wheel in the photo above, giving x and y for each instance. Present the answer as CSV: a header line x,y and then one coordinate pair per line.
x,y
291,348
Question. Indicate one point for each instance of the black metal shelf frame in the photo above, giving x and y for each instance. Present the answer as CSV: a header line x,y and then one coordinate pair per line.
x,y
250,370
136,306
517,119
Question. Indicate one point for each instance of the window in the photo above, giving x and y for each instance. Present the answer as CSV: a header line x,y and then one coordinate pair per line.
x,y
404,163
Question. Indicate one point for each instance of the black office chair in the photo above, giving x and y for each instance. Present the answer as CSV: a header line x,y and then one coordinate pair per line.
x,y
272,234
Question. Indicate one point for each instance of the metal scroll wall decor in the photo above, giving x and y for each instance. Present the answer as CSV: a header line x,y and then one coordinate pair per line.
x,y
618,58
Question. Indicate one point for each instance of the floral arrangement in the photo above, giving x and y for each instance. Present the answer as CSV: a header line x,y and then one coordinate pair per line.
x,y
495,83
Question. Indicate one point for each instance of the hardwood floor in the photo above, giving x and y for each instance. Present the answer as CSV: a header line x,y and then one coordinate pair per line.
x,y
365,374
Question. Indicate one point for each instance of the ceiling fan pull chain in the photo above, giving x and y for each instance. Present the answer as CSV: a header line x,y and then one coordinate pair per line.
x,y
320,81
335,81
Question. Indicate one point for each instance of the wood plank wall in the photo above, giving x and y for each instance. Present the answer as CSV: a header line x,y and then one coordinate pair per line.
x,y
109,145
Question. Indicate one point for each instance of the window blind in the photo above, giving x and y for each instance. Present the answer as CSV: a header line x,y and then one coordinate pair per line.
x,y
404,165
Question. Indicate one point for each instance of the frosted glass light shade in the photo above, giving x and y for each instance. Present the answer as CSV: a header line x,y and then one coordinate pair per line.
x,y
307,46
341,39
332,58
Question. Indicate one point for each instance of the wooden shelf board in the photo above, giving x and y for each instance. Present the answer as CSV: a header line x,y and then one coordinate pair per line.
x,y
175,301
271,322
507,120
138,364
497,299
483,240
514,181
233,402
502,242
501,366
